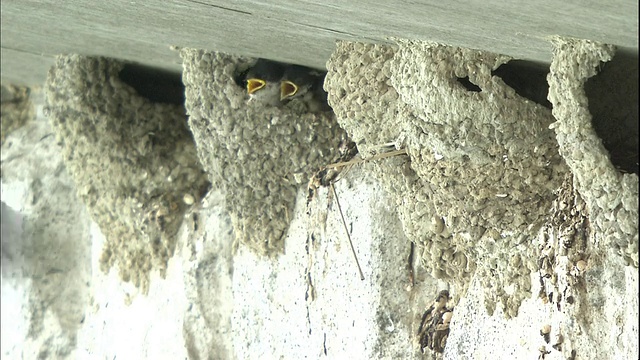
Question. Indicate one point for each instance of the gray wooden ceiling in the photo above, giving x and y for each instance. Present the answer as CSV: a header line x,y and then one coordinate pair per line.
x,y
296,31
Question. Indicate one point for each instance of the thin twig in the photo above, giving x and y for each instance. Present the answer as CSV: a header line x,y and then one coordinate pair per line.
x,y
347,230
376,157
410,265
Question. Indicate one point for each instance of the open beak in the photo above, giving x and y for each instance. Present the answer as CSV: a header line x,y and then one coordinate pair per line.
x,y
287,89
254,85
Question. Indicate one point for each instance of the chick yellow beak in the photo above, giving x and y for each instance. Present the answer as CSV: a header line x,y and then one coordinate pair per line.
x,y
254,85
287,89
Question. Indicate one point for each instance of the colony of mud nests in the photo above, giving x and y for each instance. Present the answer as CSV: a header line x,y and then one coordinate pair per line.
x,y
133,162
473,192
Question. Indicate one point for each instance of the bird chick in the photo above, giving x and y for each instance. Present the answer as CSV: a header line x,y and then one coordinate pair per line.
x,y
306,84
263,82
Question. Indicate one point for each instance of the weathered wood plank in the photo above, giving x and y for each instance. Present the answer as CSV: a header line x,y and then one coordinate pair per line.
x,y
296,31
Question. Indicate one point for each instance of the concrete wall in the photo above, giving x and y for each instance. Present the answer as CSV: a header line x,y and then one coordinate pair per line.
x,y
522,205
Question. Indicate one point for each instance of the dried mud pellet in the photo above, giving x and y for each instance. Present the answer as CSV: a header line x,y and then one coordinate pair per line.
x,y
437,224
188,199
546,329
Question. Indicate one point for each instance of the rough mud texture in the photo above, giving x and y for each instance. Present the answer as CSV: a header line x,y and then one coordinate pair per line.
x,y
611,196
133,161
583,284
258,155
16,108
482,162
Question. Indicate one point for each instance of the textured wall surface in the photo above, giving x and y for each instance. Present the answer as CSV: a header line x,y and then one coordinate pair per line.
x,y
309,301
46,277
560,257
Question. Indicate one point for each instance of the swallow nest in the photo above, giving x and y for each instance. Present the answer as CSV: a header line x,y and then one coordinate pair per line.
x,y
482,165
133,161
258,155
